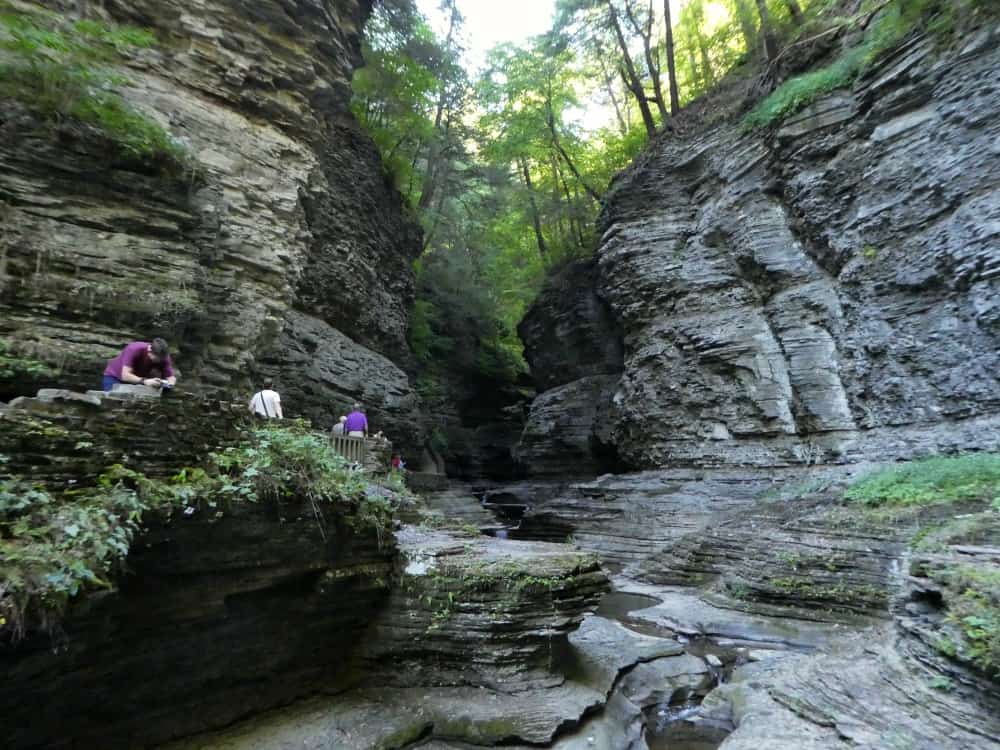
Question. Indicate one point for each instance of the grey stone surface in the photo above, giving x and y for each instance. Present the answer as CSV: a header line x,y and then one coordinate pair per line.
x,y
283,228
568,431
569,332
815,294
470,610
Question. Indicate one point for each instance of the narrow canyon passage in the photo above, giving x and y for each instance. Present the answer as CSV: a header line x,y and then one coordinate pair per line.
x,y
639,371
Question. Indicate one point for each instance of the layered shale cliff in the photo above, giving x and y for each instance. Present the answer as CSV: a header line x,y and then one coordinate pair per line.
x,y
278,248
822,291
769,314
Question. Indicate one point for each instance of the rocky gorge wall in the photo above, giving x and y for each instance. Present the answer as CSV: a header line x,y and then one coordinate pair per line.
x,y
280,249
826,290
225,609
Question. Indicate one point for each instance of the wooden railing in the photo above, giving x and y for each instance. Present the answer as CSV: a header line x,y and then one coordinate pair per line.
x,y
351,448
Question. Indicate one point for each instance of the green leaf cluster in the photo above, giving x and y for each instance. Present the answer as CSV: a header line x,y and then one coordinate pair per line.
x,y
890,26
975,614
65,70
53,545
14,366
930,481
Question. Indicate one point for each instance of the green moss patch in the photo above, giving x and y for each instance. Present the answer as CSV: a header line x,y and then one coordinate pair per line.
x,y
14,366
891,25
56,543
63,70
974,615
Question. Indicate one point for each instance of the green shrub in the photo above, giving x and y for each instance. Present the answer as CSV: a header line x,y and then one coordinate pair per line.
x,y
54,546
931,481
61,70
891,26
975,613
292,461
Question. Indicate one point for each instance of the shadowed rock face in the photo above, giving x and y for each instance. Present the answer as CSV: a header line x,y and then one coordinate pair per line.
x,y
283,229
812,294
234,609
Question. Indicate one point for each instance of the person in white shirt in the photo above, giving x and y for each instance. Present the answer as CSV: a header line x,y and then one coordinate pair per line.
x,y
266,403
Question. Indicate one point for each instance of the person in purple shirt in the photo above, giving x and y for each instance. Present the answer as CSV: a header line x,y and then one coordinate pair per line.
x,y
357,423
142,362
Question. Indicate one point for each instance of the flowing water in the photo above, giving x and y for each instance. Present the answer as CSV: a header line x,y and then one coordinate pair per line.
x,y
676,726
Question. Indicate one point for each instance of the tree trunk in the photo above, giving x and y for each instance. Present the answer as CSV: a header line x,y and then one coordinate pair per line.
x,y
434,150
535,218
571,205
557,199
608,84
706,62
630,75
569,162
622,125
696,76
796,11
675,101
646,34
767,31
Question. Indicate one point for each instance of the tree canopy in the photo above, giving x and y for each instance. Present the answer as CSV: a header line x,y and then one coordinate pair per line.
x,y
504,168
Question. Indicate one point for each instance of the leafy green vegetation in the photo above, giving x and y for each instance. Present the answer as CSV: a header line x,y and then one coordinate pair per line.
x,y
52,547
942,683
974,613
56,544
969,528
16,367
449,585
931,481
891,25
65,70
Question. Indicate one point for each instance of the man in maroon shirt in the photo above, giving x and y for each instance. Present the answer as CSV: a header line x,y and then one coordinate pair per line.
x,y
142,362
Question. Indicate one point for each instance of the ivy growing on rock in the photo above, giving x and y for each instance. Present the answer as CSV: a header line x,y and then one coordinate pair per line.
x,y
57,543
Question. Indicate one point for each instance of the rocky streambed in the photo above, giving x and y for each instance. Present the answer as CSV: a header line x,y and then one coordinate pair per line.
x,y
492,642
690,609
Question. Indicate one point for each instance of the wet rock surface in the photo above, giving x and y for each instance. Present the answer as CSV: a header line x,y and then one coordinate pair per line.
x,y
507,605
64,436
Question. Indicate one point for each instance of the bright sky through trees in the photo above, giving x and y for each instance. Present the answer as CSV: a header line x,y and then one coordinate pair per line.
x,y
492,22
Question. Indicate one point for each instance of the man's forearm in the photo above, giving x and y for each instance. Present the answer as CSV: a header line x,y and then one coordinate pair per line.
x,y
130,377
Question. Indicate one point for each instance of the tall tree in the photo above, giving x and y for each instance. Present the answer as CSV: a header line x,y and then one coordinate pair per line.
x,y
675,101
748,25
795,11
644,30
536,219
629,72
767,30
448,96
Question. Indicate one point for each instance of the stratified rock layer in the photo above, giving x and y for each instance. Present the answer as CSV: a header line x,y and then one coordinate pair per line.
x,y
471,611
283,235
202,632
232,610
818,292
